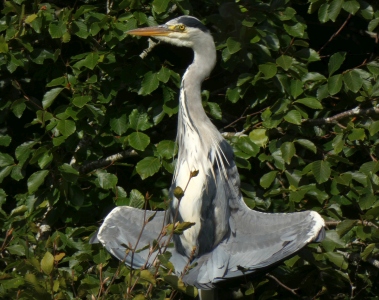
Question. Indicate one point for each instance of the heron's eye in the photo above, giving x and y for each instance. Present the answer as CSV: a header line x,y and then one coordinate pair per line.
x,y
180,27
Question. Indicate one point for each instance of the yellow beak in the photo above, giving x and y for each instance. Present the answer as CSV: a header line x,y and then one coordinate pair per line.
x,y
150,31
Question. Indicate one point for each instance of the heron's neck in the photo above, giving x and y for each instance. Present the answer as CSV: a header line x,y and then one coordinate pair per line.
x,y
191,109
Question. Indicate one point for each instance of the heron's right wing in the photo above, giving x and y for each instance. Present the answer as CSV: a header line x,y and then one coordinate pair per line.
x,y
126,229
262,239
258,240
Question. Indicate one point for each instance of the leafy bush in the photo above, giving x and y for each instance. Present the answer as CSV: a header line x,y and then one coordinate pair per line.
x,y
87,125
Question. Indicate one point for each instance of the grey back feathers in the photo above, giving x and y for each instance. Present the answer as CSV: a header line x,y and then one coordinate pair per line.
x,y
227,236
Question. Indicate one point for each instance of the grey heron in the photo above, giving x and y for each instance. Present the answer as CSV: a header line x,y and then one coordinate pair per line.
x,y
228,238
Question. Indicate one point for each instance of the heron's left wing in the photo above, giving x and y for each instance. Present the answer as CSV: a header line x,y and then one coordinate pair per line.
x,y
132,234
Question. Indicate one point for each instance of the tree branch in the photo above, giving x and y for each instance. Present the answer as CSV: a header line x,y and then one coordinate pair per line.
x,y
93,165
352,112
145,52
293,291
336,33
357,222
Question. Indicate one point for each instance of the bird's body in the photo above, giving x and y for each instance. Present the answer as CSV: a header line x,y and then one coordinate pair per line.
x,y
227,234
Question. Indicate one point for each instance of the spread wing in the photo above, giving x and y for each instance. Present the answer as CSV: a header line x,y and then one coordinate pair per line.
x,y
255,240
127,228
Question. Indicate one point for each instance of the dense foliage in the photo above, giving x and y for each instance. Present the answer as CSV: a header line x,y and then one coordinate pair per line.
x,y
86,125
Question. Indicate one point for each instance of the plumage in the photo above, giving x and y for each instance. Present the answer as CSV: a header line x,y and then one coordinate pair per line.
x,y
227,237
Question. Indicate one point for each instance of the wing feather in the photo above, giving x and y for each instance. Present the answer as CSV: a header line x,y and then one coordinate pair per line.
x,y
123,226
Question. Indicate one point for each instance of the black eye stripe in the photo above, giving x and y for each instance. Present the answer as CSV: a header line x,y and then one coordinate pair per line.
x,y
192,22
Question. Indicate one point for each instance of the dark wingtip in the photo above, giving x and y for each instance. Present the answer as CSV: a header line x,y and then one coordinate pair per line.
x,y
321,235
94,239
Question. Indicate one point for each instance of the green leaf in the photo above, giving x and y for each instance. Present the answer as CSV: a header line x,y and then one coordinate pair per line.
x,y
334,9
215,110
35,180
310,102
246,77
357,134
335,62
137,200
345,226
296,88
288,151
91,60
353,80
284,61
246,145
106,180
367,252
69,173
267,179
335,84
149,83
373,128
259,137
233,95
18,250
294,117
337,259
18,107
321,171
66,127
139,140
50,96
6,160
269,70
323,15
167,149
366,11
233,45
148,276
148,166
307,144
5,140
160,6
373,24
81,100
296,29
47,263
164,75
57,29
119,124
139,121
3,45
351,6
80,29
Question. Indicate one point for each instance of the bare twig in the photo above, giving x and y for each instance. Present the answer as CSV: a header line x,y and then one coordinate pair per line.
x,y
336,33
352,112
109,6
293,291
88,167
232,134
145,52
357,222
242,117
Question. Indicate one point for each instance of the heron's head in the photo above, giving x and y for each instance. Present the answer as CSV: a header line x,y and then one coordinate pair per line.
x,y
182,31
